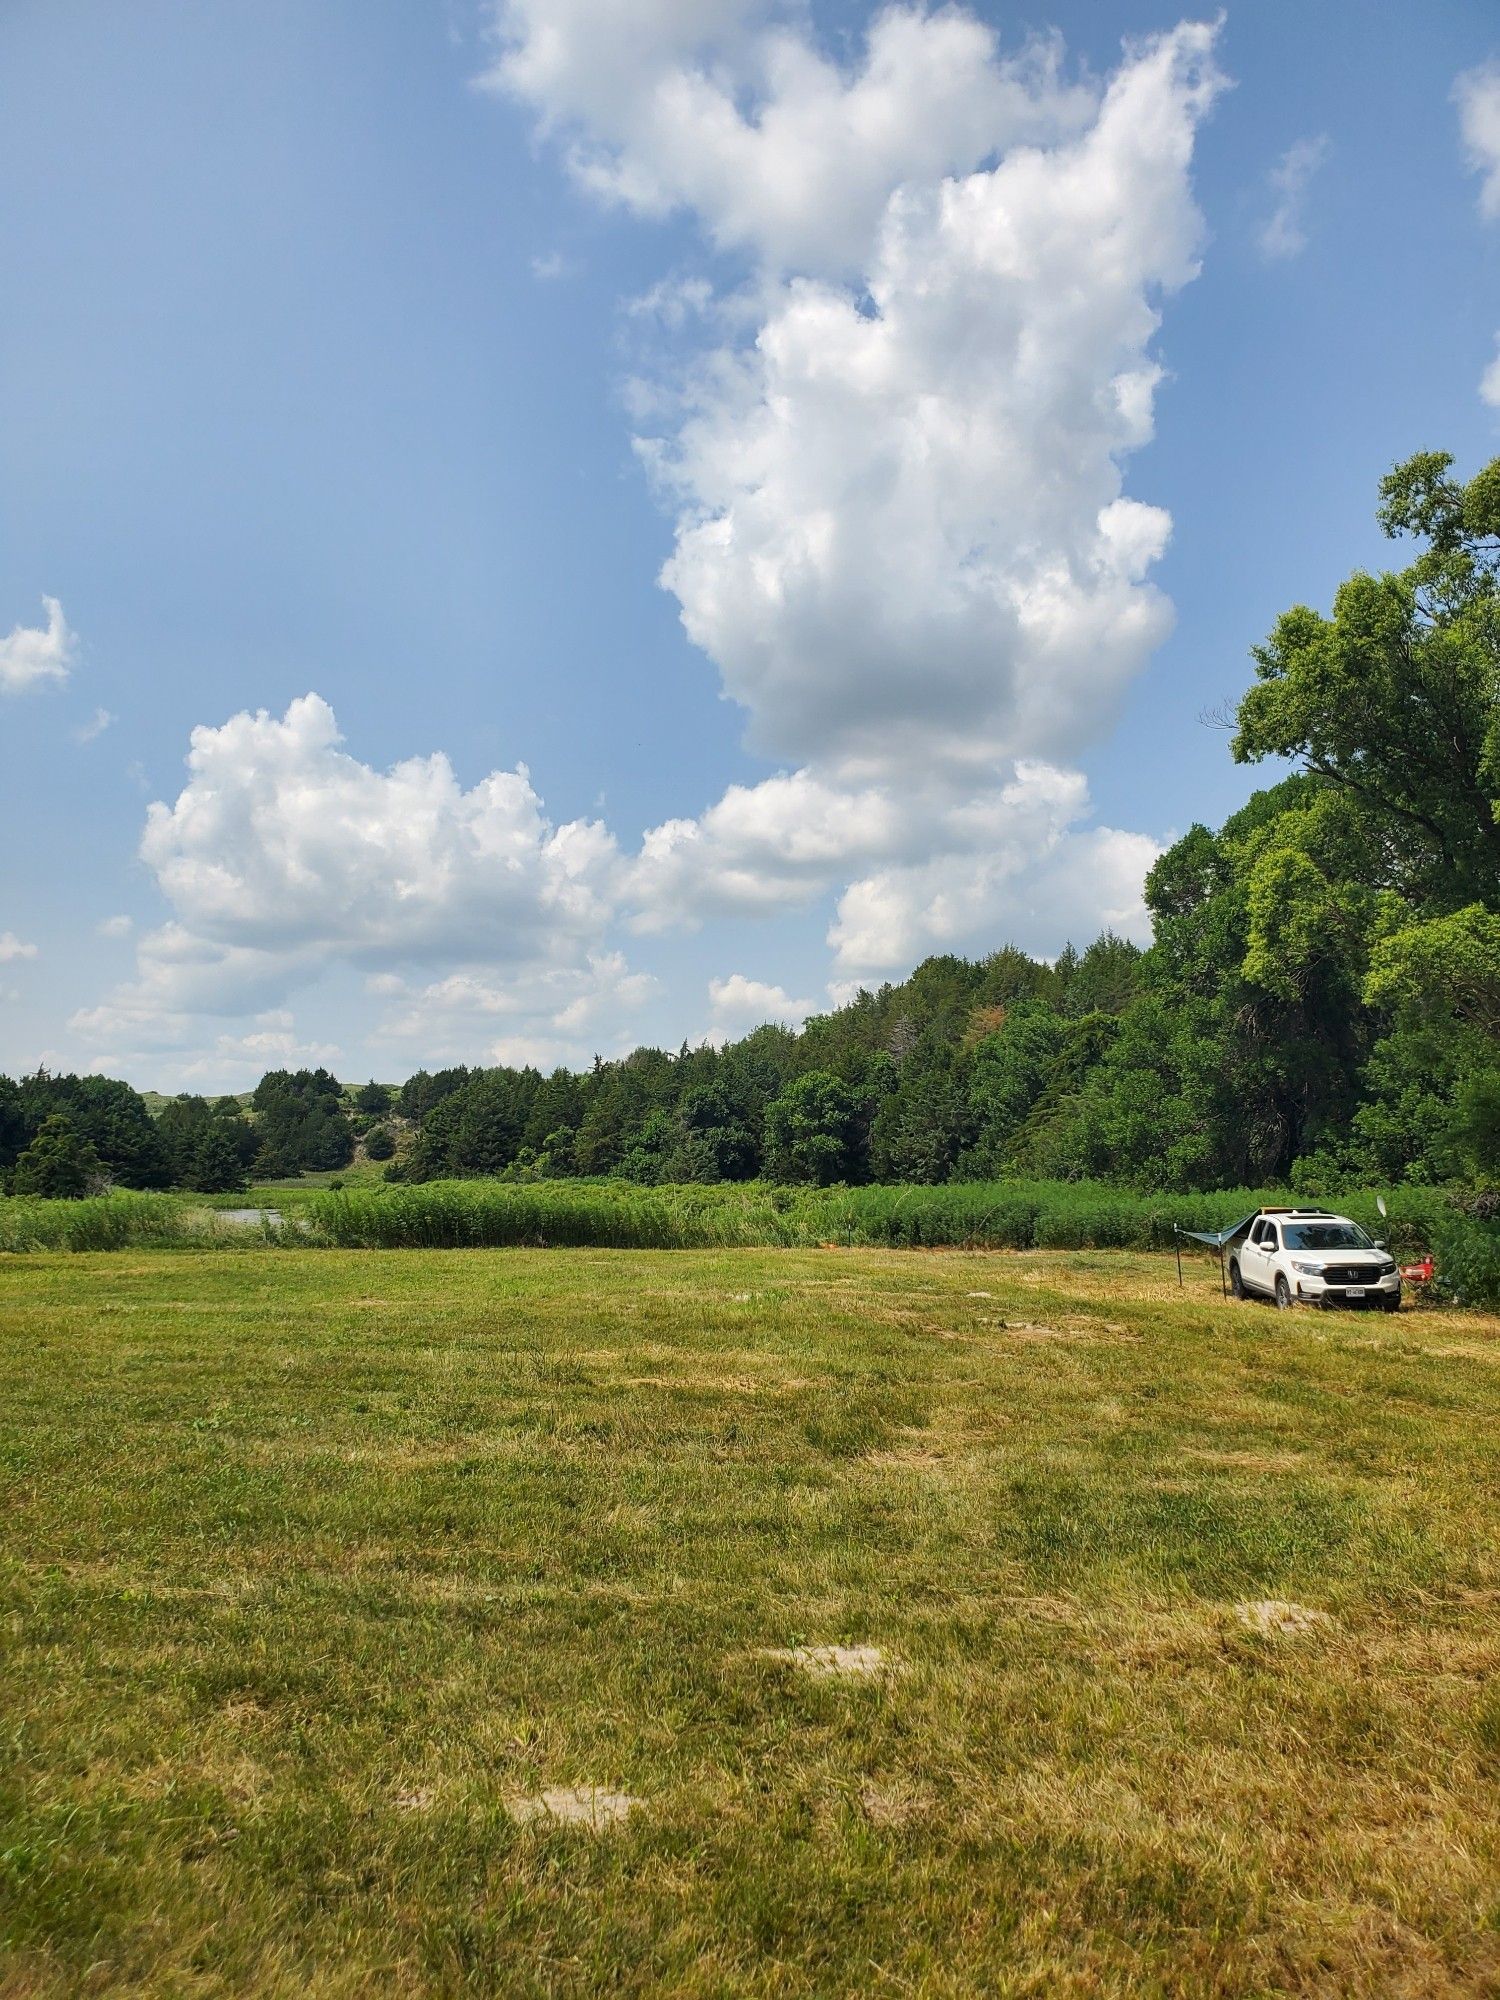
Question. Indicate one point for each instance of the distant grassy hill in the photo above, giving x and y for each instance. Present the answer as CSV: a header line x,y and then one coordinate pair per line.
x,y
156,1101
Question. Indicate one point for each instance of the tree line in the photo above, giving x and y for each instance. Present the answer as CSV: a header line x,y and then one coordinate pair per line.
x,y
1319,1005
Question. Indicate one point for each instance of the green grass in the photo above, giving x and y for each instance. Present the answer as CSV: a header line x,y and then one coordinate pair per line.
x,y
314,1561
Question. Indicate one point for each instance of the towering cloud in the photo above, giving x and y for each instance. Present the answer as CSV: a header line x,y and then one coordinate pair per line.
x,y
902,533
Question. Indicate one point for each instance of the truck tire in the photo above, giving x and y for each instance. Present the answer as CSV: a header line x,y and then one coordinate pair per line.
x,y
1283,1293
1236,1282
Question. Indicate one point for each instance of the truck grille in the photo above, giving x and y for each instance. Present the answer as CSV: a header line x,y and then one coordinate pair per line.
x,y
1350,1274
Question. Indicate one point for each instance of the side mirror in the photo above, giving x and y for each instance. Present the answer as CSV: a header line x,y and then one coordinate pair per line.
x,y
1380,1243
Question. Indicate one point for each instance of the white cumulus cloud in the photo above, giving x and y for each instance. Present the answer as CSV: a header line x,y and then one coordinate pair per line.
x,y
896,465
1083,883
33,653
738,1004
281,841
284,856
543,1015
13,948
718,107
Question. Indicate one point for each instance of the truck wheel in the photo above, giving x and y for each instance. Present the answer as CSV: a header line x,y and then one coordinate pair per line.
x,y
1393,1305
1283,1294
1236,1282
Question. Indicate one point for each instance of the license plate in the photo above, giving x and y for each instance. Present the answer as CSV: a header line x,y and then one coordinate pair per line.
x,y
1356,1291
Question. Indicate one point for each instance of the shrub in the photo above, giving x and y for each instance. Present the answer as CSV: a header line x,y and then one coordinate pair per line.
x,y
1466,1245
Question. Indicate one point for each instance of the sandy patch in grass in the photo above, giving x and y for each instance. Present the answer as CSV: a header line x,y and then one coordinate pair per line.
x,y
1278,1619
415,1798
894,1802
573,1805
1081,1327
845,1663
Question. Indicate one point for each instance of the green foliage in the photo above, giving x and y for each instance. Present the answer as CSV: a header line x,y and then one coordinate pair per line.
x,y
813,1131
300,1122
1394,701
59,1164
1008,1073
217,1167
210,1146
379,1145
372,1098
1466,1244
1444,966
106,1113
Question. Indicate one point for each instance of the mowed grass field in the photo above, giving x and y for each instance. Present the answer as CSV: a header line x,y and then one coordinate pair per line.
x,y
322,1568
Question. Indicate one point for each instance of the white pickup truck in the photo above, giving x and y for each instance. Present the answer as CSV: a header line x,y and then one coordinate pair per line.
x,y
1292,1254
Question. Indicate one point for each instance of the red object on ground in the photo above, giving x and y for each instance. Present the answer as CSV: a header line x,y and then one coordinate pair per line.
x,y
1418,1274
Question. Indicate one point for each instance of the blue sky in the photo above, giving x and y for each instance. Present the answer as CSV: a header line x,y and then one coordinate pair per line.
x,y
323,371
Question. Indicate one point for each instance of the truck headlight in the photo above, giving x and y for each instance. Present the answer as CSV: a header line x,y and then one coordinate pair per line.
x,y
1312,1270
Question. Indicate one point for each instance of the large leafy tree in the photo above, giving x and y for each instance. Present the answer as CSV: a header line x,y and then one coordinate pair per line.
x,y
813,1131
1393,701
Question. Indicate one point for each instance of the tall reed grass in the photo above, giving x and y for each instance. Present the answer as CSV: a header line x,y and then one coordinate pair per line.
x,y
444,1215
102,1222
996,1215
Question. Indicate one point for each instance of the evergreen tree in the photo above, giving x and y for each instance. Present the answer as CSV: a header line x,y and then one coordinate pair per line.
x,y
216,1165
60,1163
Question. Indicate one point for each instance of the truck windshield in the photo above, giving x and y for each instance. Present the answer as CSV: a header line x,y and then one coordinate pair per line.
x,y
1326,1236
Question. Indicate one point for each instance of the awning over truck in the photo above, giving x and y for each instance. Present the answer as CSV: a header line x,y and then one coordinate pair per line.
x,y
1217,1238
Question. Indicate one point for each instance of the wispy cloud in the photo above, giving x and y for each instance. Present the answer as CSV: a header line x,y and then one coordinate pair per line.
x,y
12,947
1477,95
1284,232
552,266
96,725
